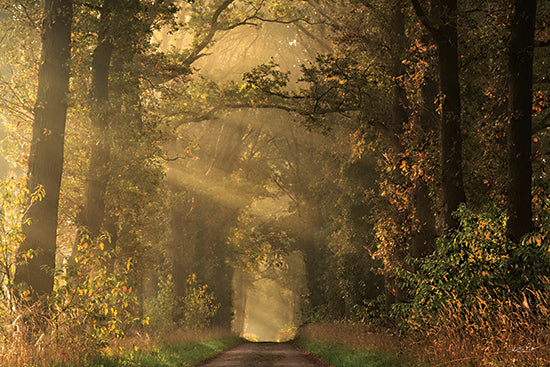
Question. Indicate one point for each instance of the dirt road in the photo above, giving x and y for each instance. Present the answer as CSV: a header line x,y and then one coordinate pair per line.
x,y
263,355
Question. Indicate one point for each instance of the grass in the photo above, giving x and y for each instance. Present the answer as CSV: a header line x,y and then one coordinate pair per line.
x,y
179,354
349,345
340,355
169,348
488,332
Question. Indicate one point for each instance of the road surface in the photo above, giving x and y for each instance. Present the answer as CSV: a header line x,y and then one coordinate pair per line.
x,y
263,355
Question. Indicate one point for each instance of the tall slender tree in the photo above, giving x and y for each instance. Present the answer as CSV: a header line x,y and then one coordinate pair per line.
x,y
46,152
441,22
98,173
520,64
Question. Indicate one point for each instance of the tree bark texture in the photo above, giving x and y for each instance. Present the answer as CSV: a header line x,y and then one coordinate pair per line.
x,y
46,152
520,217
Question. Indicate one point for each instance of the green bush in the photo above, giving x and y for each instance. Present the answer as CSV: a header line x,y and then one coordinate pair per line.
x,y
478,259
197,308
93,295
480,298
162,308
194,310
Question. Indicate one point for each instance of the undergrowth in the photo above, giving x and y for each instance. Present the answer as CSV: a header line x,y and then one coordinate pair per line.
x,y
481,300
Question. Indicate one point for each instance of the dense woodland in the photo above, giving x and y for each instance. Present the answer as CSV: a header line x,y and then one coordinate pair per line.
x,y
152,149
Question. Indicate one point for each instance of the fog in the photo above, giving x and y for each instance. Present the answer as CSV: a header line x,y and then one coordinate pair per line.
x,y
220,196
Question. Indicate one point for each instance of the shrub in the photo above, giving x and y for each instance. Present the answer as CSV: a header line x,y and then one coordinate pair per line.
x,y
481,298
197,308
194,310
94,293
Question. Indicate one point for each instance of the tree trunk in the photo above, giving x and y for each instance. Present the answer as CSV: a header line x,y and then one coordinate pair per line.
x,y
400,111
451,138
46,153
98,170
520,221
181,268
442,24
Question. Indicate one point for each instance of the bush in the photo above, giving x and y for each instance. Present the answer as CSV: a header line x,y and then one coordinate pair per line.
x,y
194,310
94,293
372,314
197,308
481,298
162,307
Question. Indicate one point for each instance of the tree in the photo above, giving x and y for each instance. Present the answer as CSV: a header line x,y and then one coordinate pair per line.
x,y
442,25
46,153
94,211
520,65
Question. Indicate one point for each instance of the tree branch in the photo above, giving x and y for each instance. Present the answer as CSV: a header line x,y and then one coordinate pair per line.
x,y
321,42
330,20
195,54
28,16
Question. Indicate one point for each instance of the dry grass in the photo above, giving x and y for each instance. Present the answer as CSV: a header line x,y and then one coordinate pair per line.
x,y
31,339
490,332
485,332
351,334
143,340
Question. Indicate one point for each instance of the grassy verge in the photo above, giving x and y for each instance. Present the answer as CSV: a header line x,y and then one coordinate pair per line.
x,y
339,355
349,346
187,353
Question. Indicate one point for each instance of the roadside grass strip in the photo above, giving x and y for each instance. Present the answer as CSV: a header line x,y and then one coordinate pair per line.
x,y
340,355
176,355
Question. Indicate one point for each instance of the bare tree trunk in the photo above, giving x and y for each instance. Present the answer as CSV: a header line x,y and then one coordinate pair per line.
x,y
98,170
442,24
46,154
520,64
451,138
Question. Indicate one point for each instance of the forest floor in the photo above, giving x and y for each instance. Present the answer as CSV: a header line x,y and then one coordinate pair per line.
x,y
263,355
